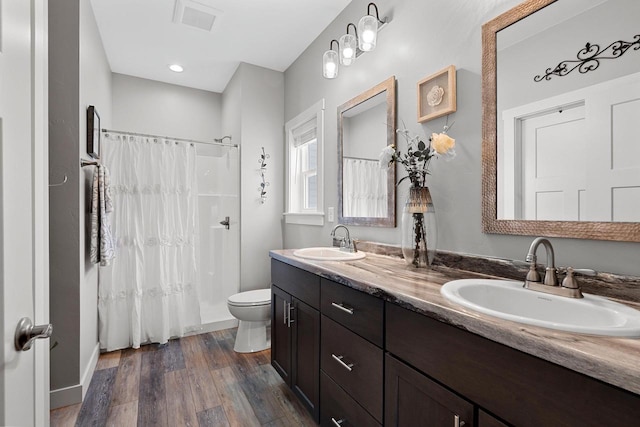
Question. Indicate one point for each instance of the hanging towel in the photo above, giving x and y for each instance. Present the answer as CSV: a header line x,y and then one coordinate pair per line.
x,y
102,244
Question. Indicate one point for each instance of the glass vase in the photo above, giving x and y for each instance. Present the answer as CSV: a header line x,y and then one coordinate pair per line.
x,y
419,228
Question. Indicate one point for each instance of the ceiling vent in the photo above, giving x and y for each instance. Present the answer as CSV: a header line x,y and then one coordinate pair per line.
x,y
195,14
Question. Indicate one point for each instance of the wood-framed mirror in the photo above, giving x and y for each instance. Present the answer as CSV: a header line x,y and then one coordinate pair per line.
x,y
366,125
560,88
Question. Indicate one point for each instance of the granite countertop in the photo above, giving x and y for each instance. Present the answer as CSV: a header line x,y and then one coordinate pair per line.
x,y
613,360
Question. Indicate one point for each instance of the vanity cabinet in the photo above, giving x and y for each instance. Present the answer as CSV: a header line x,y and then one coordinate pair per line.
x,y
354,359
295,332
521,389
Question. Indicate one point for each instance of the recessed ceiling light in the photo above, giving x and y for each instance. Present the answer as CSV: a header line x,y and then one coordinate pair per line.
x,y
176,68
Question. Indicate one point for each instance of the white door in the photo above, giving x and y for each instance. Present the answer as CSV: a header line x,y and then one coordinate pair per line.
x,y
24,278
553,165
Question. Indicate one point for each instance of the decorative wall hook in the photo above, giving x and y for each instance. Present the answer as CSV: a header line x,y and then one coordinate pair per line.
x,y
64,181
589,57
263,170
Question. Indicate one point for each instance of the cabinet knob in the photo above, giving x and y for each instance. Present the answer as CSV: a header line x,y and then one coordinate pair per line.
x,y
337,423
342,307
457,422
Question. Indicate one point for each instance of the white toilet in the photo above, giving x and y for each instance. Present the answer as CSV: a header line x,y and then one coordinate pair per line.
x,y
253,310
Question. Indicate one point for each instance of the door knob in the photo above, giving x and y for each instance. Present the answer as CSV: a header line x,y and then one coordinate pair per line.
x,y
27,332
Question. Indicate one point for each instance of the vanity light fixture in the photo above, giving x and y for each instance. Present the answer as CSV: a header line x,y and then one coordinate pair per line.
x,y
330,61
348,46
351,46
368,29
176,68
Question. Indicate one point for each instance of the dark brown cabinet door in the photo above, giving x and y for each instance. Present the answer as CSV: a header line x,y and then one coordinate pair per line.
x,y
486,420
281,333
305,366
412,399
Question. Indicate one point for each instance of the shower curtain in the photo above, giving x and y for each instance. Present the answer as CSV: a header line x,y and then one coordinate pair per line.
x,y
365,188
149,293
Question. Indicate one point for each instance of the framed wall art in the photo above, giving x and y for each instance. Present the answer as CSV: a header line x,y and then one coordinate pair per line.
x,y
437,94
93,132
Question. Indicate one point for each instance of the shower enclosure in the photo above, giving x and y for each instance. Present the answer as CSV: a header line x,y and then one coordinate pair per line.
x,y
218,262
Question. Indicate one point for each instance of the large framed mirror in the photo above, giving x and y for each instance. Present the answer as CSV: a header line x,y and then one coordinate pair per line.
x,y
561,103
367,124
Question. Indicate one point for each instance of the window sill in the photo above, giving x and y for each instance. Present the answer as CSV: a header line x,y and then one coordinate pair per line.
x,y
311,218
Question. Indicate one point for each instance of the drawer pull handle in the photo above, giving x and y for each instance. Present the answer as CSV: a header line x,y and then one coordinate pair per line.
x,y
337,423
289,319
342,307
457,422
347,366
285,311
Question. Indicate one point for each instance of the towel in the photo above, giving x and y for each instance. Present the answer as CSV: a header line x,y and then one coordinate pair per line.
x,y
102,244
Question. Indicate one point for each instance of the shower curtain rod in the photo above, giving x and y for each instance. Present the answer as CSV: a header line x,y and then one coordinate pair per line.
x,y
222,144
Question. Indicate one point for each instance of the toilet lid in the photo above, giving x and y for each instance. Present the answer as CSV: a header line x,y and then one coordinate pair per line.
x,y
257,297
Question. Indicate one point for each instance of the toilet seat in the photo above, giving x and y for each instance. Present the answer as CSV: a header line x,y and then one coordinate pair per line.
x,y
251,298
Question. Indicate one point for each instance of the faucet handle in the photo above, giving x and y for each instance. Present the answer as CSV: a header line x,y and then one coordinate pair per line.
x,y
569,281
533,275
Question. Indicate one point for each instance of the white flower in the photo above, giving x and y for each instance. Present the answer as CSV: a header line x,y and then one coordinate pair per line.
x,y
386,156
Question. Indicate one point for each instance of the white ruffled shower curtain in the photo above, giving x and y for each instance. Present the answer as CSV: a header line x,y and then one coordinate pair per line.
x,y
149,292
365,188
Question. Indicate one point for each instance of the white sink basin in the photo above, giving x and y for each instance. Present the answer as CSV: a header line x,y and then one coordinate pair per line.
x,y
507,299
328,254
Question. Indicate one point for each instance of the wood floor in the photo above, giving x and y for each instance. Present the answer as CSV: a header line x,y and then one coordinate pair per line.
x,y
193,381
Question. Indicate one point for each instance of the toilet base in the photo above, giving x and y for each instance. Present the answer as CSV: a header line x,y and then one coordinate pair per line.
x,y
251,337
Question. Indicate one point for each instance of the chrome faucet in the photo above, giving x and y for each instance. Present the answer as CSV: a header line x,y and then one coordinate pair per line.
x,y
569,287
345,243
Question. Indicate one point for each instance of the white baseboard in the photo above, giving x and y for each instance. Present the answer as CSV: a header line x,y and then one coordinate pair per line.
x,y
217,325
75,394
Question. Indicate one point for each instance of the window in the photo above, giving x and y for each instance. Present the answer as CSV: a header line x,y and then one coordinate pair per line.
x,y
304,136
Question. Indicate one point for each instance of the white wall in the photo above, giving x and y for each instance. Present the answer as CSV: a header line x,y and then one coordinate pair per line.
x,y
422,38
95,89
253,112
79,76
147,106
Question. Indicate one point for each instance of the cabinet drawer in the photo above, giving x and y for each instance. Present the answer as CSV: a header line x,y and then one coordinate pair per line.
x,y
354,364
359,312
337,405
301,284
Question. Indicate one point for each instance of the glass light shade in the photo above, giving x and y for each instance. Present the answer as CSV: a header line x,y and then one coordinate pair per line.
x,y
330,64
368,33
348,46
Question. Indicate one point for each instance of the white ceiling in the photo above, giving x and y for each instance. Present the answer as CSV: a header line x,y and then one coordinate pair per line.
x,y
141,40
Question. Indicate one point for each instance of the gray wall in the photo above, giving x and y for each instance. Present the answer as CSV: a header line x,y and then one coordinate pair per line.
x,y
147,106
422,38
253,112
604,24
79,75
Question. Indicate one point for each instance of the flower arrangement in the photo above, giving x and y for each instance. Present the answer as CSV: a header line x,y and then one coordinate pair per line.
x,y
417,159
418,218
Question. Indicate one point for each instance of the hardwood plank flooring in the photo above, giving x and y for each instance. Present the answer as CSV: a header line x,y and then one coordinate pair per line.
x,y
193,381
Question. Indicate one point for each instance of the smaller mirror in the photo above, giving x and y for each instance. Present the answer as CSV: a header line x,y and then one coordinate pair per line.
x,y
367,124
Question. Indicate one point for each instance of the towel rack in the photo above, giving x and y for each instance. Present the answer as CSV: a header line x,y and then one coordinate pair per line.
x,y
84,163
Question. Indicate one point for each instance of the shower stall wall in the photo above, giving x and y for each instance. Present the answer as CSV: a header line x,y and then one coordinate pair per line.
x,y
218,261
